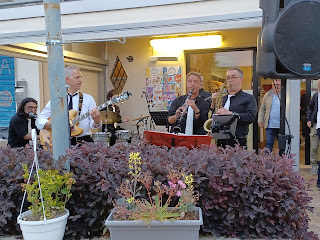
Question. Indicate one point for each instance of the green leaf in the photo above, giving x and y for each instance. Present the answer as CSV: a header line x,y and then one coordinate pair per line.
x,y
157,200
64,191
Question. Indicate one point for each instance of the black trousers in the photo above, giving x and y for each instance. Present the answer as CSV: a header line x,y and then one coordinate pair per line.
x,y
233,141
76,140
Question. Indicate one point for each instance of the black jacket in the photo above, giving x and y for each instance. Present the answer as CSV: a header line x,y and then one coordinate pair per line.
x,y
197,122
312,109
246,106
18,128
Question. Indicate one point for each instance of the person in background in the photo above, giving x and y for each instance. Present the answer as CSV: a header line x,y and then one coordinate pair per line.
x,y
112,128
239,103
19,128
203,93
81,102
180,106
269,113
313,122
303,112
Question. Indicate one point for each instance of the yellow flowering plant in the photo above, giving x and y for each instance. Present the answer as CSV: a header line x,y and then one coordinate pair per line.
x,y
132,206
55,190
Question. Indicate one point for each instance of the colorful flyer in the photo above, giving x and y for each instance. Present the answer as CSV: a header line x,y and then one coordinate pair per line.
x,y
163,85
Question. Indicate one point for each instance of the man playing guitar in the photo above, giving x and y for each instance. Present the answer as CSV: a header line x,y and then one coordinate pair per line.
x,y
80,102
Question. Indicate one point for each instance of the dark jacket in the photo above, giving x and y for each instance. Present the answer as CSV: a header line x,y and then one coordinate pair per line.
x,y
205,95
312,109
18,128
246,106
197,122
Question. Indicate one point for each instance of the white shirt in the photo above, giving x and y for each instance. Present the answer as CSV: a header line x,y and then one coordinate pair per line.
x,y
227,104
114,110
86,123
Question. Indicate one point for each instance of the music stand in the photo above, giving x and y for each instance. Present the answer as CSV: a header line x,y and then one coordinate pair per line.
x,y
174,140
160,117
223,126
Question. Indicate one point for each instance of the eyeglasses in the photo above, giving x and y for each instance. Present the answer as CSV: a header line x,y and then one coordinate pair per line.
x,y
232,78
32,107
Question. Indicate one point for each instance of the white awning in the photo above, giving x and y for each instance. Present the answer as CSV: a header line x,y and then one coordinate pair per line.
x,y
131,18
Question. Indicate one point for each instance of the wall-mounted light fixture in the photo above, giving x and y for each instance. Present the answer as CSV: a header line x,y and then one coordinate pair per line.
x,y
176,45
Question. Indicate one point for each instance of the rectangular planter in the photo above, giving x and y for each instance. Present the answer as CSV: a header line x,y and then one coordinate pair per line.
x,y
137,230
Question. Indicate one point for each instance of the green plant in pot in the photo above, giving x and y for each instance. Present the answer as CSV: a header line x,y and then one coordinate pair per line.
x,y
48,200
149,216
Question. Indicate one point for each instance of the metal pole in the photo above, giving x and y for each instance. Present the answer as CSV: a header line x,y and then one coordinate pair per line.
x,y
59,112
282,141
307,136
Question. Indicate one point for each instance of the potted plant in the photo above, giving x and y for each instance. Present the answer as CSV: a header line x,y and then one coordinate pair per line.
x,y
135,217
47,215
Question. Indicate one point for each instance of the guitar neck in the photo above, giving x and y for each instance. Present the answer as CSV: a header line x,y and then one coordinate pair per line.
x,y
117,99
87,114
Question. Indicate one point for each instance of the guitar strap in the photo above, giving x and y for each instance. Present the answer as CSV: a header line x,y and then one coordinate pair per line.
x,y
80,101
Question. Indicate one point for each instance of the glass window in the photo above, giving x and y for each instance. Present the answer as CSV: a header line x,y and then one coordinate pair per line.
x,y
213,67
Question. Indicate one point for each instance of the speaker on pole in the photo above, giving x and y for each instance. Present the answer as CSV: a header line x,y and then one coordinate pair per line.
x,y
289,43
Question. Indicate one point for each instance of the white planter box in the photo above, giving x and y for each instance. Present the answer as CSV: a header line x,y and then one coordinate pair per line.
x,y
137,230
52,229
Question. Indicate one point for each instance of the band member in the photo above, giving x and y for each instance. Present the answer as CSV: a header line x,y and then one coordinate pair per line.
x,y
203,93
178,111
78,101
19,133
240,103
114,126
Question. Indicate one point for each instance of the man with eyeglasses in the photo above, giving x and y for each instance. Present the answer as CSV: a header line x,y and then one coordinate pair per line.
x,y
19,132
240,103
269,113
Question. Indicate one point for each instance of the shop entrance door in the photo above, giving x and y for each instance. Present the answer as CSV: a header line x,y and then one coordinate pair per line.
x,y
213,65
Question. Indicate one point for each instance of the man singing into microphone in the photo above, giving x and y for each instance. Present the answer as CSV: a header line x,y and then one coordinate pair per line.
x,y
19,132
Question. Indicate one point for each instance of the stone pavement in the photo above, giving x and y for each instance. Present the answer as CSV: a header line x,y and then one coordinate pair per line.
x,y
314,224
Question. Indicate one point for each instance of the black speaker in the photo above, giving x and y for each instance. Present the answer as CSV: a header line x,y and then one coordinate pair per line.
x,y
289,44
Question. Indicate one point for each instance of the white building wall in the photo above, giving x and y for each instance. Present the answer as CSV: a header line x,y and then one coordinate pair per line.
x,y
141,51
27,70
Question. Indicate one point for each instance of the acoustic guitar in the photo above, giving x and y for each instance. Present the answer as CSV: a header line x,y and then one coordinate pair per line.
x,y
75,118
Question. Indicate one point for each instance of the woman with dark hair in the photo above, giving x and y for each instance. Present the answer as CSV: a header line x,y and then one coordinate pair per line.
x,y
19,134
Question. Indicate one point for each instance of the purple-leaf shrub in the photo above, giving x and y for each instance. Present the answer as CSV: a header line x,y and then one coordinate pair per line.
x,y
241,193
250,195
10,183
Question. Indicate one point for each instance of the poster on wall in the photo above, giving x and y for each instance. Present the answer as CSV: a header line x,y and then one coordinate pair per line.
x,y
163,85
7,91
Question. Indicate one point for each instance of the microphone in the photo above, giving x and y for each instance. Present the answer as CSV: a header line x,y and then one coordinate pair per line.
x,y
32,115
